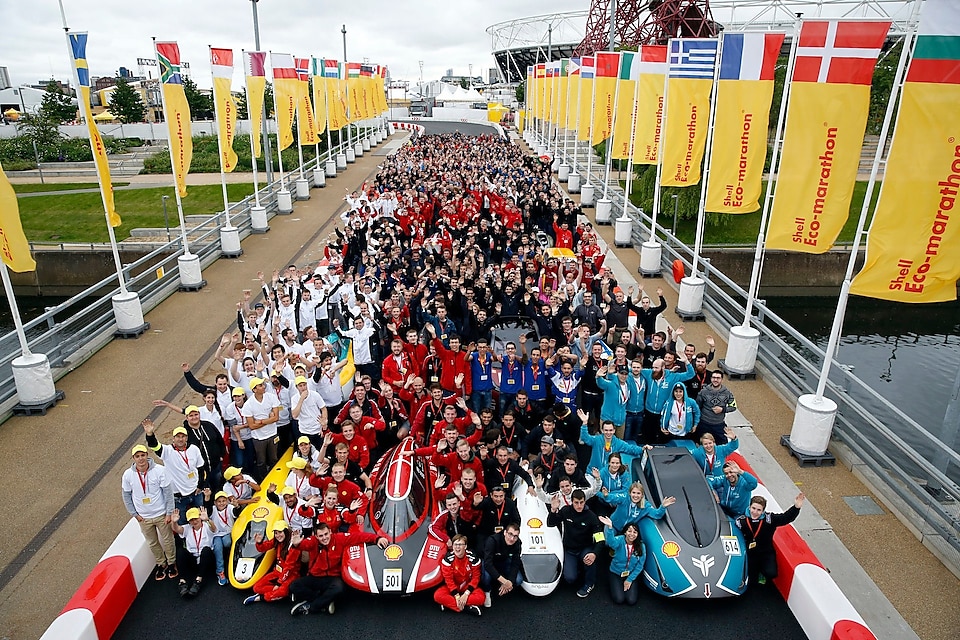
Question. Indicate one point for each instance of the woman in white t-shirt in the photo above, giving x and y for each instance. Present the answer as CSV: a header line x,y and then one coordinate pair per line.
x,y
195,559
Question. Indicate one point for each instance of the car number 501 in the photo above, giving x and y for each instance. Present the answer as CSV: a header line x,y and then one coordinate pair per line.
x,y
731,545
392,579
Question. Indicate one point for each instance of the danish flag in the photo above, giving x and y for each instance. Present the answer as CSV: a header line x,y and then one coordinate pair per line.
x,y
839,51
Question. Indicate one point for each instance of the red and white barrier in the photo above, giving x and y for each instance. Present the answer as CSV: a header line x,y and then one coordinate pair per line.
x,y
99,605
408,126
818,604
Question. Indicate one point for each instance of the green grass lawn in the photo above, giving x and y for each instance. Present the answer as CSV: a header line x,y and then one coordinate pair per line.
x,y
78,217
742,229
59,186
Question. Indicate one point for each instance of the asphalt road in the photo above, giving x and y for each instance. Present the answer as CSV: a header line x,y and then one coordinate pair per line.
x,y
159,613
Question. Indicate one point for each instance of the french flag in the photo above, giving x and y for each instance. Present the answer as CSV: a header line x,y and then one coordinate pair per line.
x,y
750,56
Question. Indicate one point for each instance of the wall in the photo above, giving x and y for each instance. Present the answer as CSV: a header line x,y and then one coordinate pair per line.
x,y
68,272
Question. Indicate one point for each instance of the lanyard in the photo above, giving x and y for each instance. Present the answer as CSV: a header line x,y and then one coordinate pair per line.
x,y
223,516
753,533
500,512
624,393
197,538
710,460
185,457
678,405
143,480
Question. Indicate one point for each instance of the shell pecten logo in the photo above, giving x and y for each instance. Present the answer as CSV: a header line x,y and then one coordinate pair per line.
x,y
393,552
535,523
670,549
260,512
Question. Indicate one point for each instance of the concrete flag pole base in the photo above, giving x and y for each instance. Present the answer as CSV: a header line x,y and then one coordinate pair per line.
x,y
34,382
351,156
812,425
366,144
623,232
341,161
229,243
258,220
358,150
563,172
284,201
742,346
331,167
302,186
586,195
690,302
573,183
129,315
320,177
650,258
190,278
604,209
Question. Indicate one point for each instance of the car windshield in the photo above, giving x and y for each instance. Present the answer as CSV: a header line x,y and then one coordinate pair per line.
x,y
395,517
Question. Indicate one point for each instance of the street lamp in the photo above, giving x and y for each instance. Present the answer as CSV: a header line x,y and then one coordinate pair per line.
x,y
268,154
674,196
166,220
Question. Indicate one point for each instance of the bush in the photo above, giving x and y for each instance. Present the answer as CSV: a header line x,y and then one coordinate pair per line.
x,y
206,156
19,165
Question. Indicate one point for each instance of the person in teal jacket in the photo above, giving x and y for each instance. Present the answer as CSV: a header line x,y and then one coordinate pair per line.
x,y
680,415
660,383
631,506
617,387
733,488
711,456
604,443
626,563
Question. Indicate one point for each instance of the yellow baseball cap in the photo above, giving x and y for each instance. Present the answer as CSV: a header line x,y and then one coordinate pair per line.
x,y
288,491
193,513
299,379
180,431
139,448
238,391
191,409
254,383
230,473
221,494
300,440
280,525
297,463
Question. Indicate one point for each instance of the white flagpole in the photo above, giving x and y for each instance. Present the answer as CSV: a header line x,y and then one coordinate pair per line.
x,y
276,113
633,134
14,310
613,126
701,209
173,164
253,158
663,136
566,121
593,110
217,115
576,124
768,197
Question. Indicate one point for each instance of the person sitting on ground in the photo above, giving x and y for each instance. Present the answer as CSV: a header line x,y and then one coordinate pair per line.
x,y
460,590
758,528
627,561
501,562
195,559
275,585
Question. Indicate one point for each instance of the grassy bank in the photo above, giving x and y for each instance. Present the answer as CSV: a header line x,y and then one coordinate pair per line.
x,y
78,217
59,186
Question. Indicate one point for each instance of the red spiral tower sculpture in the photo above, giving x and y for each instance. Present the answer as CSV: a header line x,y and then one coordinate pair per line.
x,y
646,22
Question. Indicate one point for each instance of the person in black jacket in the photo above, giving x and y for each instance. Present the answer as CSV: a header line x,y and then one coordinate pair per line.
x,y
496,512
647,316
582,539
501,562
758,528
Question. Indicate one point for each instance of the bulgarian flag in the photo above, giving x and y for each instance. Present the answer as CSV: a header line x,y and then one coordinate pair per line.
x,y
913,252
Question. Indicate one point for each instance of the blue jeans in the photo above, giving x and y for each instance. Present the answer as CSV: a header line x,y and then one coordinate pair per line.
x,y
186,502
487,583
632,427
572,561
221,543
245,458
480,400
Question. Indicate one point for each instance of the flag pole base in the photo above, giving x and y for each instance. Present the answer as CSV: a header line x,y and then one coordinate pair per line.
x,y
812,425
129,315
586,195
258,220
366,143
604,208
650,259
284,201
742,346
190,279
341,161
230,242
34,382
302,186
351,155
319,177
573,183
690,302
563,172
623,232
358,150
331,167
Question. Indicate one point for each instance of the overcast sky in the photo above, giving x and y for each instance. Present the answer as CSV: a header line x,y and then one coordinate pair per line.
x,y
443,33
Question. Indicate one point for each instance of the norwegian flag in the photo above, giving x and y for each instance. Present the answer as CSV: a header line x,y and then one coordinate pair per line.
x,y
839,51
303,68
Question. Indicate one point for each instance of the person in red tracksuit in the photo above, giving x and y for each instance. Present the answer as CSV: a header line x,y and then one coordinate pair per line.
x,y
317,591
456,461
460,590
276,584
455,369
398,366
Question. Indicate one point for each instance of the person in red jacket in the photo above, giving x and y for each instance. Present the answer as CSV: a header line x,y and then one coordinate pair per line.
x,y
455,369
429,414
358,449
331,513
563,235
276,584
455,462
366,427
349,495
398,366
450,417
317,591
460,590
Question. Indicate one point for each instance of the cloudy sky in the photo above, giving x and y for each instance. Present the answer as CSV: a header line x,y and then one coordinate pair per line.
x,y
443,33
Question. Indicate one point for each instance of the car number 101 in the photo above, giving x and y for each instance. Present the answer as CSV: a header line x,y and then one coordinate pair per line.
x,y
731,545
392,579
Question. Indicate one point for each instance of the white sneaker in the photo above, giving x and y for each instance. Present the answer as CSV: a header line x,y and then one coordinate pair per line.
x,y
487,601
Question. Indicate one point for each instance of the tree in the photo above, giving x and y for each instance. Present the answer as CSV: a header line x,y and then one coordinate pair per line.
x,y
56,105
882,87
241,100
125,103
521,92
201,104
464,83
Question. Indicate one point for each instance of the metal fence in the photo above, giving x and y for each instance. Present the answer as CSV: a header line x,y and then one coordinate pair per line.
x,y
914,469
75,329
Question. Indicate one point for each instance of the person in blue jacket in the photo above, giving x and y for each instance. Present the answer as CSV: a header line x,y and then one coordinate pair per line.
x,y
631,506
733,489
660,383
680,416
604,443
636,402
711,456
617,386
615,477
626,563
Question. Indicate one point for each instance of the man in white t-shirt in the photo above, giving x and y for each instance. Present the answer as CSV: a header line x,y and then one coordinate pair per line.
x,y
183,464
261,412
309,409
148,497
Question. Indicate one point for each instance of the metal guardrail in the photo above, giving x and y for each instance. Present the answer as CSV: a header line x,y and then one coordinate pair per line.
x,y
75,329
917,469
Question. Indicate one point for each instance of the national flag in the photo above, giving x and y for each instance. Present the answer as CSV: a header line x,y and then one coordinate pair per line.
x,y
14,248
286,93
225,107
78,53
319,96
255,77
691,67
744,94
573,89
176,112
605,86
653,70
306,124
626,94
913,250
585,120
826,119
331,69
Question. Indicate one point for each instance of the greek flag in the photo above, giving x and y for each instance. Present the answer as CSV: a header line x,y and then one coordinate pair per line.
x,y
693,57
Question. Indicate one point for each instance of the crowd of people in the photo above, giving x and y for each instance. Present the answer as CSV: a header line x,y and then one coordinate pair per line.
x,y
449,241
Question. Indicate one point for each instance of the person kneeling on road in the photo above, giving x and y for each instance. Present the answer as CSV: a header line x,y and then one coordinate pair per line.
x,y
582,539
501,561
195,558
627,561
460,590
758,528
317,591
276,584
